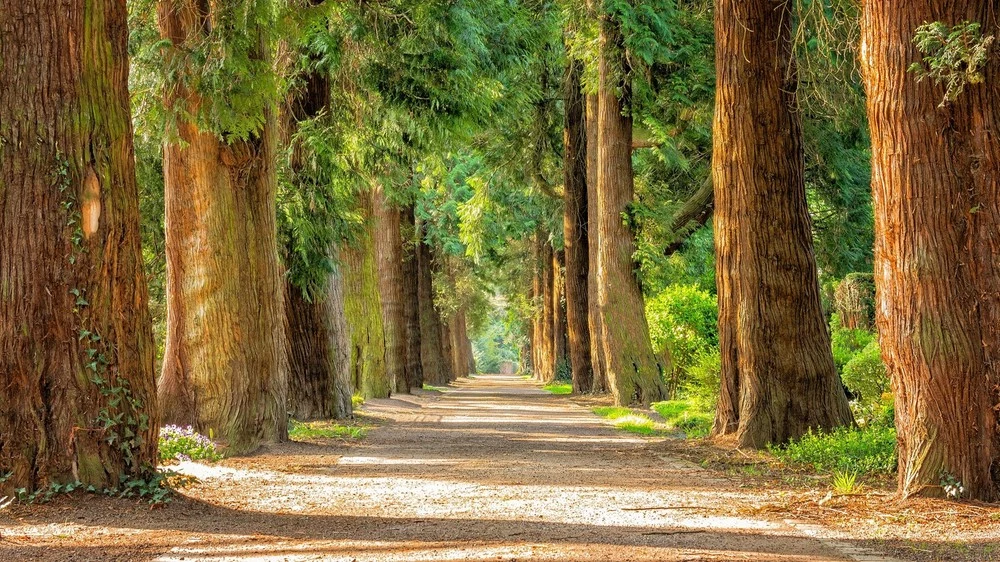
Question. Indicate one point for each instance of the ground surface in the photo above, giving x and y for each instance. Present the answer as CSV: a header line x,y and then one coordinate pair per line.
x,y
492,469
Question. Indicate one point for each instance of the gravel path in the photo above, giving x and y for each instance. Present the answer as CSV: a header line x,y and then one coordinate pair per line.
x,y
492,469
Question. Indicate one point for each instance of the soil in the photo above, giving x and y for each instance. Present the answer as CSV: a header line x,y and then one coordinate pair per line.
x,y
493,468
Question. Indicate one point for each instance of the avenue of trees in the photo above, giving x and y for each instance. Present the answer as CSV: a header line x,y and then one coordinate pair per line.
x,y
235,213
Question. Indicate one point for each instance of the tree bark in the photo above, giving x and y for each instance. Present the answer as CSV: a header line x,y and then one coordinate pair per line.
x,y
596,332
546,371
76,343
560,360
778,373
319,382
432,358
448,349
575,229
411,301
389,249
633,371
225,370
937,230
363,310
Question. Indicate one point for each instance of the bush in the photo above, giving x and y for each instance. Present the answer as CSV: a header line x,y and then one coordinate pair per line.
x,y
185,444
847,449
847,343
684,320
702,383
865,376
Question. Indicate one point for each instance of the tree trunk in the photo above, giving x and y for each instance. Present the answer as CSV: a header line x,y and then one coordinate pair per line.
x,y
937,229
389,249
448,349
225,370
363,310
76,343
411,301
319,381
546,371
633,371
597,358
575,228
559,328
432,356
778,373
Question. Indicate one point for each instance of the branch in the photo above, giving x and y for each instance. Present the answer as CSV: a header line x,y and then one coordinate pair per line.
x,y
694,213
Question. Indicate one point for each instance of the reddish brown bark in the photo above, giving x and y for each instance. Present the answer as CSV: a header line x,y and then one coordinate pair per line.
x,y
411,301
778,376
575,227
560,359
546,329
225,370
597,359
936,188
389,251
436,368
75,335
633,371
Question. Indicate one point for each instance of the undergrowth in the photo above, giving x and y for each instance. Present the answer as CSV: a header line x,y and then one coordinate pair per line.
x,y
559,388
185,444
868,450
686,415
305,431
630,421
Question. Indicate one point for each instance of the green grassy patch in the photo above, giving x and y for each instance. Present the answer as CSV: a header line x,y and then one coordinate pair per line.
x,y
357,400
631,421
433,388
868,450
559,388
308,431
686,416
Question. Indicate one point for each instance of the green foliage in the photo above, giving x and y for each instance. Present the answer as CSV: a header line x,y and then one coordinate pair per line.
x,y
847,343
356,401
954,56
866,377
157,489
185,444
704,378
684,320
629,420
845,481
559,388
687,415
866,450
306,431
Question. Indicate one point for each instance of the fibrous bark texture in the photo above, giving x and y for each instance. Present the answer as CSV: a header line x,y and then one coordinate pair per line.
x,y
575,227
633,371
76,345
363,310
936,188
436,367
559,344
225,370
778,376
411,302
597,359
319,382
389,249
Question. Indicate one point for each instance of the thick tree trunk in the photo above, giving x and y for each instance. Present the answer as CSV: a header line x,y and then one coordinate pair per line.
x,y
389,249
448,349
411,301
319,382
575,229
936,187
777,368
76,345
633,371
597,359
225,370
560,360
546,370
363,310
434,365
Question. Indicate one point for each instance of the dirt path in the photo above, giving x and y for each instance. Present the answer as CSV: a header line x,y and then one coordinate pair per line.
x,y
493,469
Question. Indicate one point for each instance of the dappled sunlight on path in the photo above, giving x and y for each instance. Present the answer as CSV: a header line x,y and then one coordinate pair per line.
x,y
491,469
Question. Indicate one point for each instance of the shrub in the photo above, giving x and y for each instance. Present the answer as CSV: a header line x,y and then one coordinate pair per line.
x,y
683,319
702,383
847,343
865,375
847,449
185,444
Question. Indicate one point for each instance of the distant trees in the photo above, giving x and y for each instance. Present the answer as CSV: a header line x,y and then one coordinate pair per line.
x,y
77,395
937,224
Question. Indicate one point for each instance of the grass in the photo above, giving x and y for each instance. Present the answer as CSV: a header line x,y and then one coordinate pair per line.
x,y
357,400
630,421
864,450
685,415
435,388
307,431
559,388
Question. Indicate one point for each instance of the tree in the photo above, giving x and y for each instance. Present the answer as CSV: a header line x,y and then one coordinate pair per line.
x,y
389,248
778,375
936,220
633,371
434,363
411,301
575,228
598,361
225,370
76,348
